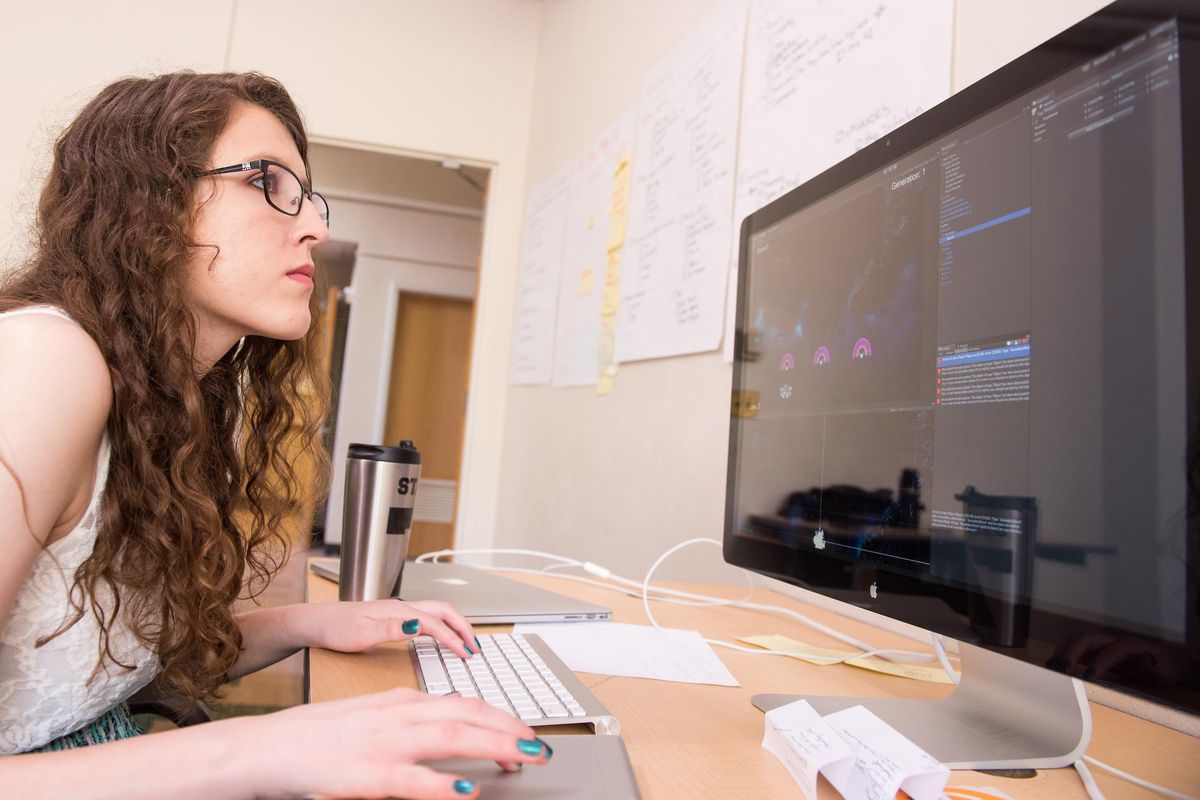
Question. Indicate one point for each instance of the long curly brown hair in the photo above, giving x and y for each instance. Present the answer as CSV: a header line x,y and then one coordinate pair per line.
x,y
201,474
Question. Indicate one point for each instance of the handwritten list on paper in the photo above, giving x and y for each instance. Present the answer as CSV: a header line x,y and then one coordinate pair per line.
x,y
589,224
537,282
676,255
824,78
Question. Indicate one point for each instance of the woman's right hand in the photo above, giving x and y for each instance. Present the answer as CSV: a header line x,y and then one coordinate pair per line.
x,y
369,746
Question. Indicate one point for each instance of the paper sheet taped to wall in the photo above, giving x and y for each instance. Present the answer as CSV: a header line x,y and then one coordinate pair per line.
x,y
537,281
676,251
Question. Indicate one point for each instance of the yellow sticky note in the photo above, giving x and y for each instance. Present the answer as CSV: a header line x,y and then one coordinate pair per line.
x,y
611,298
605,383
585,282
618,204
822,655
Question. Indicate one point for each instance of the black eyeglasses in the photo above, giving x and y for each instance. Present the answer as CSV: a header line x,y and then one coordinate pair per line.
x,y
281,187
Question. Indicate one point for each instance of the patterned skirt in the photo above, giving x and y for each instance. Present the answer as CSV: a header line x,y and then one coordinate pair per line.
x,y
116,724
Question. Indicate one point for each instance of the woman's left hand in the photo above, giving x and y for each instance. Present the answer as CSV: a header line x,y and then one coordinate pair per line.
x,y
351,627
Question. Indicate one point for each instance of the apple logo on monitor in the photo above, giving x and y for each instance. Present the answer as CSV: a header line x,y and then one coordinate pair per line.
x,y
874,592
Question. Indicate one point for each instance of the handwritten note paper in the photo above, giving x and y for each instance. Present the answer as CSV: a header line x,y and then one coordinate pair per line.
x,y
680,227
863,757
884,761
537,282
804,743
824,78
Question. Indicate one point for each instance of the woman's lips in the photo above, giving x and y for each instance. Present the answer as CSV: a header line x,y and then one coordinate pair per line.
x,y
302,274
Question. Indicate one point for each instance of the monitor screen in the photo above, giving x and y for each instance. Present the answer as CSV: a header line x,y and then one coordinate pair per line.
x,y
962,367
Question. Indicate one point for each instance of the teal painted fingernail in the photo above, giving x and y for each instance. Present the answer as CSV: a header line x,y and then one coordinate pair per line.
x,y
411,626
530,747
478,646
549,750
467,647
463,786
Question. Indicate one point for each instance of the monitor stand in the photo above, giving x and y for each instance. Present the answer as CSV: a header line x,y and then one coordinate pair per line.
x,y
1004,714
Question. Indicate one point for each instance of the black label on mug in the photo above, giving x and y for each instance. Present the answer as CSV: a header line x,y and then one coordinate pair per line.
x,y
399,520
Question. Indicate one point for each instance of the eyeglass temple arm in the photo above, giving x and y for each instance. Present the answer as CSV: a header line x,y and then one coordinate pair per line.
x,y
249,165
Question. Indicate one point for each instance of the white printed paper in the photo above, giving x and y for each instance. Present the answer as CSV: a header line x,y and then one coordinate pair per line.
x,y
862,756
681,208
634,651
581,286
537,282
824,78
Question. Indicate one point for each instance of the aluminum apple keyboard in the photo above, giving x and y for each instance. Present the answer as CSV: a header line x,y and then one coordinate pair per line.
x,y
518,674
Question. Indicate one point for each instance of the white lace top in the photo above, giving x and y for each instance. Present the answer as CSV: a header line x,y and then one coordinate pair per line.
x,y
44,691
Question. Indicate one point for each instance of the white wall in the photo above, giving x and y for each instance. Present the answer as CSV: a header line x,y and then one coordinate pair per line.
x,y
54,56
619,479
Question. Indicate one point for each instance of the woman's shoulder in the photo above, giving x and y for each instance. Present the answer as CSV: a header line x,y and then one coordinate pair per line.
x,y
48,359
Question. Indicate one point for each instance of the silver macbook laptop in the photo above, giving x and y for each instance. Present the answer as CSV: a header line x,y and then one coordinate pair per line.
x,y
482,597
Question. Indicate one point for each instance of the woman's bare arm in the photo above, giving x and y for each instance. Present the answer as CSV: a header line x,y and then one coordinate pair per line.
x,y
367,746
214,760
54,405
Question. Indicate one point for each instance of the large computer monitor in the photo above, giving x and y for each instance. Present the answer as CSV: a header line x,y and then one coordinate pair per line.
x,y
967,386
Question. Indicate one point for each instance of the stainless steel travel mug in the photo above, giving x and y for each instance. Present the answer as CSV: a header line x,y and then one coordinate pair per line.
x,y
381,489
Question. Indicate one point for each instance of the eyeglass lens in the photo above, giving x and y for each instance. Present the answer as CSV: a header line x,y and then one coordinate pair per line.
x,y
285,193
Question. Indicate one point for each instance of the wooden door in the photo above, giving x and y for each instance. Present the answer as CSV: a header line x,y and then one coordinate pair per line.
x,y
427,395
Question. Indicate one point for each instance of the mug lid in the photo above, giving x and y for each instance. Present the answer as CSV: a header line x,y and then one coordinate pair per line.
x,y
403,453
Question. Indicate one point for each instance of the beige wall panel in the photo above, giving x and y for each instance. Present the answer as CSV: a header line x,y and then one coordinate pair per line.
x,y
988,34
55,55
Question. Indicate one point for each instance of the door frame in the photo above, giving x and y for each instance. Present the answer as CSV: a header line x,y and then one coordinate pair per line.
x,y
374,299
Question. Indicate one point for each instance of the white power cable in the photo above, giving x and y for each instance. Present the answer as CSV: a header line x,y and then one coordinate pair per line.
x,y
581,579
587,566
943,660
1089,783
595,569
1136,781
866,649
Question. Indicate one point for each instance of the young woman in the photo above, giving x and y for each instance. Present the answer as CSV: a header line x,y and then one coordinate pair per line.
x,y
156,354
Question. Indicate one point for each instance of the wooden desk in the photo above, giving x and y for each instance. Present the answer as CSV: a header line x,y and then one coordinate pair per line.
x,y
705,741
